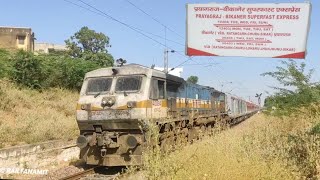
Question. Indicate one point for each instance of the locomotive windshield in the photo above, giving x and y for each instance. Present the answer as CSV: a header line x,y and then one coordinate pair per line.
x,y
99,85
131,83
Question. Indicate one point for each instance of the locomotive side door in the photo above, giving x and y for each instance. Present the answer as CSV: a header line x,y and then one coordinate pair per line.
x,y
215,101
157,97
172,92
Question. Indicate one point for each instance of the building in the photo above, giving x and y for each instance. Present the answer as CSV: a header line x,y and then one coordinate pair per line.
x,y
14,38
175,71
48,47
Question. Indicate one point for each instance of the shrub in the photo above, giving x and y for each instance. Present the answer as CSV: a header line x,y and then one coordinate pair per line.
x,y
66,72
28,116
6,64
28,70
44,71
303,154
297,89
74,70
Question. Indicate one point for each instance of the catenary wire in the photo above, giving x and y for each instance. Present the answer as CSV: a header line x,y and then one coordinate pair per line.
x,y
99,12
156,20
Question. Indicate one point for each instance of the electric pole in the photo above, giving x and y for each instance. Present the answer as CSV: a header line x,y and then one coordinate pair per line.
x,y
165,60
259,98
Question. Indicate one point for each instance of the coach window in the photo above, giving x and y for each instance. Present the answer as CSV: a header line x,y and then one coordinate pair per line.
x,y
157,89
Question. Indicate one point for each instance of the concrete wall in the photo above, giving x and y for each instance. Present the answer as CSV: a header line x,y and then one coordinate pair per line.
x,y
9,38
45,47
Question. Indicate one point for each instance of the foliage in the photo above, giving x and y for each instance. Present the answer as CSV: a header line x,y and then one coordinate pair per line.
x,y
44,71
6,64
193,79
89,45
86,52
73,72
28,70
297,90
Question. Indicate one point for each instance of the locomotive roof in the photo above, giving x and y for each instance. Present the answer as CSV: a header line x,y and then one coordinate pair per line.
x,y
134,69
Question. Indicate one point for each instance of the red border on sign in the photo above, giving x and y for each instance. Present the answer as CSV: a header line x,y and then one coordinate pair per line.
x,y
298,55
196,52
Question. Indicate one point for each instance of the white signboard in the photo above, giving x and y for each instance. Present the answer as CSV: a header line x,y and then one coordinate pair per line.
x,y
249,30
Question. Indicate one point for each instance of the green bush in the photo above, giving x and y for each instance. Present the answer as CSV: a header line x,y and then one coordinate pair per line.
x,y
6,64
28,70
296,89
74,70
66,72
44,71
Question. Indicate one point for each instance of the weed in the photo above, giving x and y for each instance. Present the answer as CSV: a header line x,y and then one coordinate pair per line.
x,y
30,116
262,147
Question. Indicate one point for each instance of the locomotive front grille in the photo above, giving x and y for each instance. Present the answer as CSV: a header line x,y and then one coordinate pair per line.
x,y
110,114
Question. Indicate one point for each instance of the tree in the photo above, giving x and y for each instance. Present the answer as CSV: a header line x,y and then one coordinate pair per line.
x,y
193,79
292,75
89,45
297,90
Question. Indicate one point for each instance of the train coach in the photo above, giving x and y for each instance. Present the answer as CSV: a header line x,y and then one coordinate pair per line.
x,y
117,104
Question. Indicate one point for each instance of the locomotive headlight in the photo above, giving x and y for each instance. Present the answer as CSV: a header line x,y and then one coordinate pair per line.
x,y
85,106
104,102
108,101
131,104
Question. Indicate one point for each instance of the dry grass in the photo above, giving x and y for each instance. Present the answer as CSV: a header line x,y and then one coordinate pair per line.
x,y
262,147
29,116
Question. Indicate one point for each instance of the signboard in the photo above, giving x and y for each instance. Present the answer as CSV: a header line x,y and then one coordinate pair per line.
x,y
249,30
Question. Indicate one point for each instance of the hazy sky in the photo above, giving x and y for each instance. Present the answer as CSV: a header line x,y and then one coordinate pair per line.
x,y
55,21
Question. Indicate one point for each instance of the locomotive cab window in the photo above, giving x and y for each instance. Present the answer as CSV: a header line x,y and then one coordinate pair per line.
x,y
157,89
98,85
172,89
130,83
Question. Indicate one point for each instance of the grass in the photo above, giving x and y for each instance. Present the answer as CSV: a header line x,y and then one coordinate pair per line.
x,y
29,116
263,147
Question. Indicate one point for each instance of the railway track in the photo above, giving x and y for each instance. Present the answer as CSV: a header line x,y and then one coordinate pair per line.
x,y
95,173
80,174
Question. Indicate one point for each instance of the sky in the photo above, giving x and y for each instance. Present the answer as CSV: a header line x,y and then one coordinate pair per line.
x,y
55,21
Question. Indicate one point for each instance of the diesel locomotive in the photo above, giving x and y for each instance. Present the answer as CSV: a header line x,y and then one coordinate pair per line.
x,y
117,103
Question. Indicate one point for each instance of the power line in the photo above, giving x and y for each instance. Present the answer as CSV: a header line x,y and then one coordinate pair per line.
x,y
125,24
203,64
140,31
156,20
98,13
156,35
101,13
88,9
190,58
